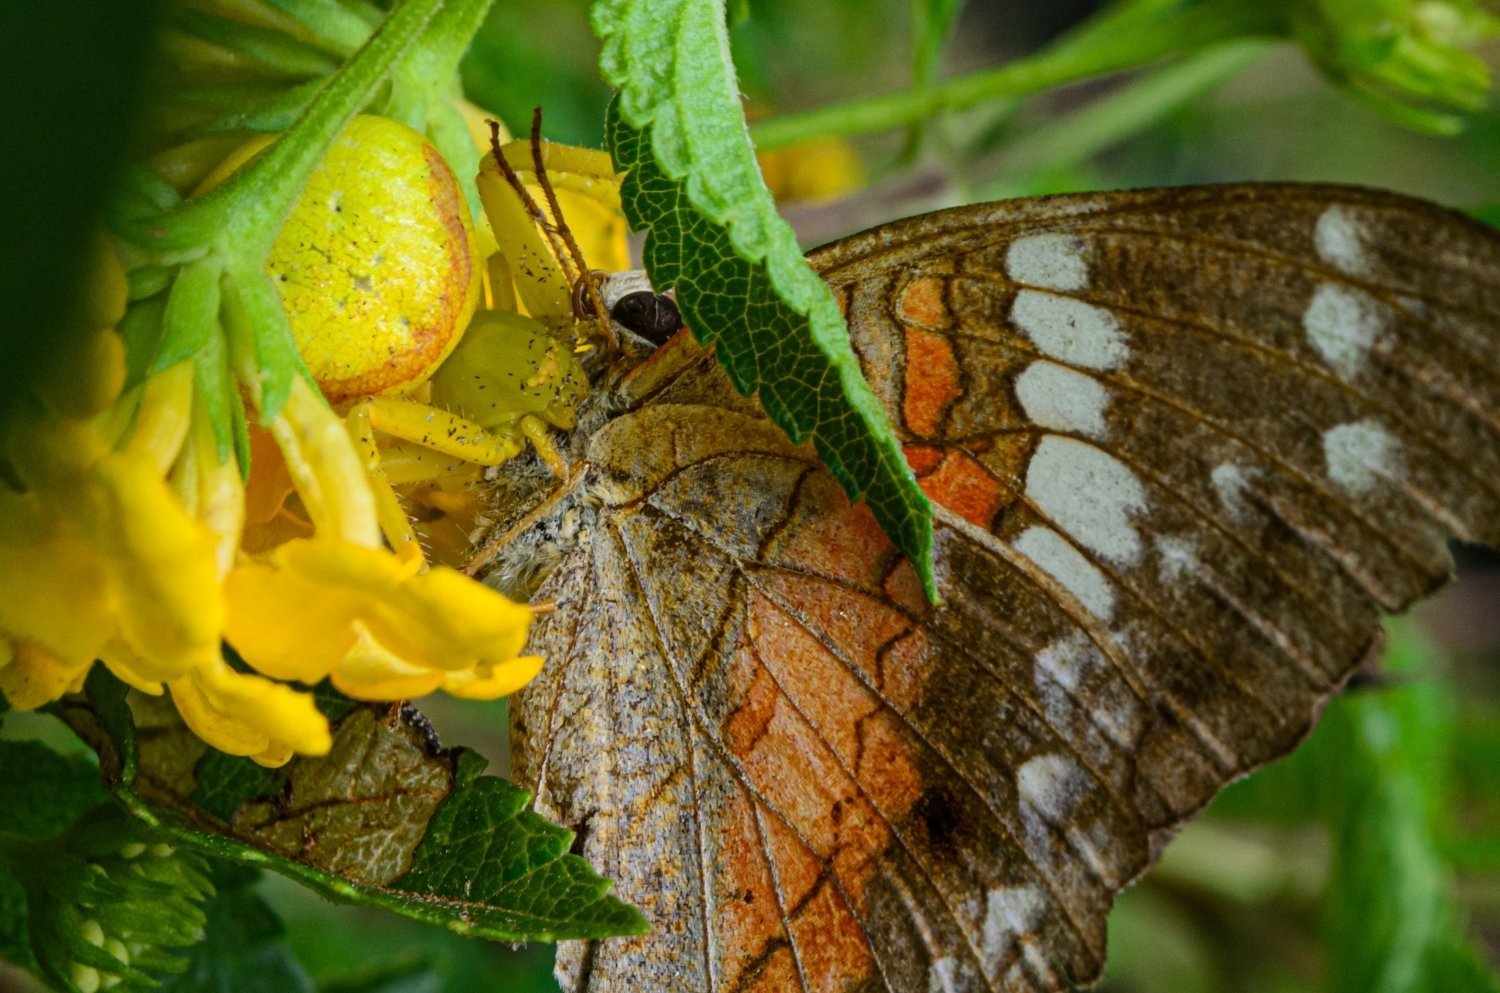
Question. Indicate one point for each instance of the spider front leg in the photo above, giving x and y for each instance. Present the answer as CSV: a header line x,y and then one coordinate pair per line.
x,y
507,385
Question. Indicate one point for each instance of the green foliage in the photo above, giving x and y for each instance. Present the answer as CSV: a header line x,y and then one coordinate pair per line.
x,y
105,902
41,793
678,132
69,116
1394,927
380,821
243,948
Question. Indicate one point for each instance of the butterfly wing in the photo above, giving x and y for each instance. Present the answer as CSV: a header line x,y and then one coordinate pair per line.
x,y
1184,445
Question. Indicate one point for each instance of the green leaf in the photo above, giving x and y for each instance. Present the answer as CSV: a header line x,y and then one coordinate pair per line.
x,y
1394,925
262,347
242,950
381,820
42,792
276,52
933,20
484,849
220,398
192,316
742,284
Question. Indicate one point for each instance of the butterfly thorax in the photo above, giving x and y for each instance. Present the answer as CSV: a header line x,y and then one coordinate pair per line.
x,y
534,517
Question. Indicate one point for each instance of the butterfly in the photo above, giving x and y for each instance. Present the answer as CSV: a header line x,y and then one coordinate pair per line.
x,y
1184,448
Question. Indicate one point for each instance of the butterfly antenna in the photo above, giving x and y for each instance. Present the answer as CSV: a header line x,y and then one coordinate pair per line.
x,y
584,277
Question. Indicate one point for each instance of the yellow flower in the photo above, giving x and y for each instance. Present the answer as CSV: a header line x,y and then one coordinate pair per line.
x,y
813,171
123,516
98,559
379,627
245,714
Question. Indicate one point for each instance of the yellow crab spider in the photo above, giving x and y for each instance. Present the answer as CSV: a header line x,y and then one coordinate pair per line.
x,y
377,272
512,377
506,384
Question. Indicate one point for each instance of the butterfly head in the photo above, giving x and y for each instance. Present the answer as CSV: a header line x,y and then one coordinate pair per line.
x,y
642,319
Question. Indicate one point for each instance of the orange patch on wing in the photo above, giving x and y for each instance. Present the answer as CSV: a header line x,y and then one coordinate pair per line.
x,y
834,949
965,487
932,381
829,695
746,912
902,587
797,867
754,696
865,630
834,539
904,666
922,304
840,707
922,458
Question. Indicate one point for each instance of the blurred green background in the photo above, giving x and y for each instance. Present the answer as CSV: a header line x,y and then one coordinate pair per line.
x,y
1370,860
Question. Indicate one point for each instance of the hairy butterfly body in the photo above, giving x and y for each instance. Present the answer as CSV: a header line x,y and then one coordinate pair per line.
x,y
1184,445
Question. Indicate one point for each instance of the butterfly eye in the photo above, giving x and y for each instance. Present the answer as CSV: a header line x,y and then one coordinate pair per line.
x,y
653,316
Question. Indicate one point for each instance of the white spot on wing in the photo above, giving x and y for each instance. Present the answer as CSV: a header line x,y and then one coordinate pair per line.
x,y
1050,787
1359,454
1049,783
1062,667
1067,660
942,976
1340,241
1233,483
1088,493
1066,564
1012,912
1343,322
1070,330
1178,557
1062,399
1051,261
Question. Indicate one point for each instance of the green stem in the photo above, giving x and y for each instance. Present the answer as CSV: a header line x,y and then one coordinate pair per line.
x,y
245,214
1122,113
1122,39
427,75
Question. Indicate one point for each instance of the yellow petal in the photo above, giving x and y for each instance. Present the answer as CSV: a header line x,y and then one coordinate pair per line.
x,y
161,566
445,620
284,625
131,669
244,714
35,676
52,589
493,681
368,618
370,672
100,548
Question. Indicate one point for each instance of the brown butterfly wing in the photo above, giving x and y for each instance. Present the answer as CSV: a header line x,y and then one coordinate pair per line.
x,y
1185,444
